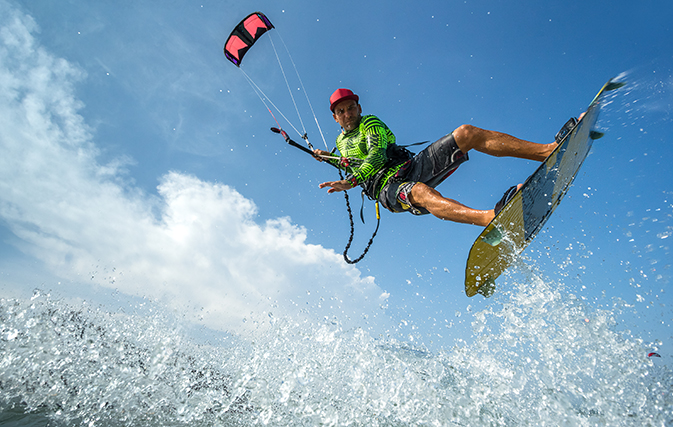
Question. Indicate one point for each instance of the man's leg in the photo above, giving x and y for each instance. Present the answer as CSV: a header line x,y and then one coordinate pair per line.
x,y
499,144
427,197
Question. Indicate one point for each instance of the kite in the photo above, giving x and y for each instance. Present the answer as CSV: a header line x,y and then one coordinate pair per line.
x,y
246,33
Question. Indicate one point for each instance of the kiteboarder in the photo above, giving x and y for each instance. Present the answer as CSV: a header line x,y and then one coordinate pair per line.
x,y
403,182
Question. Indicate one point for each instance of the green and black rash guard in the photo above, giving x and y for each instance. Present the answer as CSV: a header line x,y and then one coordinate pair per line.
x,y
369,143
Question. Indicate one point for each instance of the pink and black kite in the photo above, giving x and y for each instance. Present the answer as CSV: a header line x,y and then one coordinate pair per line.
x,y
246,33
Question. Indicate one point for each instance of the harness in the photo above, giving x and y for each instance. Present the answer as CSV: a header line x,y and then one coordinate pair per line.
x,y
397,155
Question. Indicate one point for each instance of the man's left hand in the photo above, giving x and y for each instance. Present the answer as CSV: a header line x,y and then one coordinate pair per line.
x,y
336,186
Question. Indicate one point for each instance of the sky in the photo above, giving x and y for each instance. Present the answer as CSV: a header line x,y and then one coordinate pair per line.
x,y
136,162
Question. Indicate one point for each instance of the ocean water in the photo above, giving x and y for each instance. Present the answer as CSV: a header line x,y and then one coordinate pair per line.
x,y
538,357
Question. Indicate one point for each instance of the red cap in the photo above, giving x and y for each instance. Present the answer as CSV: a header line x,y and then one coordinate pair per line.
x,y
341,95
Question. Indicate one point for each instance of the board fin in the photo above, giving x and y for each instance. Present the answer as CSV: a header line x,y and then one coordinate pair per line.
x,y
612,85
594,134
493,237
487,289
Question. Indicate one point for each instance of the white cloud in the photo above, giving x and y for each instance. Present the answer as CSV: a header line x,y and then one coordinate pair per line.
x,y
195,245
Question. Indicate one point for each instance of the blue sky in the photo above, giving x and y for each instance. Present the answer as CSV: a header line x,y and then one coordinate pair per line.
x,y
136,159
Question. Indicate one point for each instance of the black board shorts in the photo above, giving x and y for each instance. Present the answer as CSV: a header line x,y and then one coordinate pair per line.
x,y
431,166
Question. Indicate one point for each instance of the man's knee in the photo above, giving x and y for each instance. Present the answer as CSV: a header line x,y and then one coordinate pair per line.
x,y
421,194
466,136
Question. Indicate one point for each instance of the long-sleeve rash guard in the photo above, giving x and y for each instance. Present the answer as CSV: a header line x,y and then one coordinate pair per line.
x,y
369,143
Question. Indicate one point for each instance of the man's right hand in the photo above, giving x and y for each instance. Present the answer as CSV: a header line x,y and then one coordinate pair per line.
x,y
317,153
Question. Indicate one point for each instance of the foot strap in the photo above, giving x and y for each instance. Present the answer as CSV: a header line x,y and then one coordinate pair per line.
x,y
511,191
565,130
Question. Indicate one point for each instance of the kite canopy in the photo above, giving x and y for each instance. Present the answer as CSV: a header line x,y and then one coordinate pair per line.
x,y
246,33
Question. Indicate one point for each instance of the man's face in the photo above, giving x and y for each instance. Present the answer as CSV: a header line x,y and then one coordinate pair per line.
x,y
347,113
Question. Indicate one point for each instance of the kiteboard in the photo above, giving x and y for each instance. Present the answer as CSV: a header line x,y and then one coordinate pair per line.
x,y
519,221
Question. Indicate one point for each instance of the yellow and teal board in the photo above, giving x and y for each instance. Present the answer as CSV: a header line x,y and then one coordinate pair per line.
x,y
523,216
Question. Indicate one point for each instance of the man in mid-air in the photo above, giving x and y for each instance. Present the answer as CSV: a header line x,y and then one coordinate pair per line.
x,y
400,182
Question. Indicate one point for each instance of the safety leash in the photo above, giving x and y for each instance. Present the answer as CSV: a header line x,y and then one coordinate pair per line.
x,y
352,224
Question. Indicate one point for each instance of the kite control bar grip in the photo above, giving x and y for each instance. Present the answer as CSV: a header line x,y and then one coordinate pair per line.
x,y
282,132
290,141
294,144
